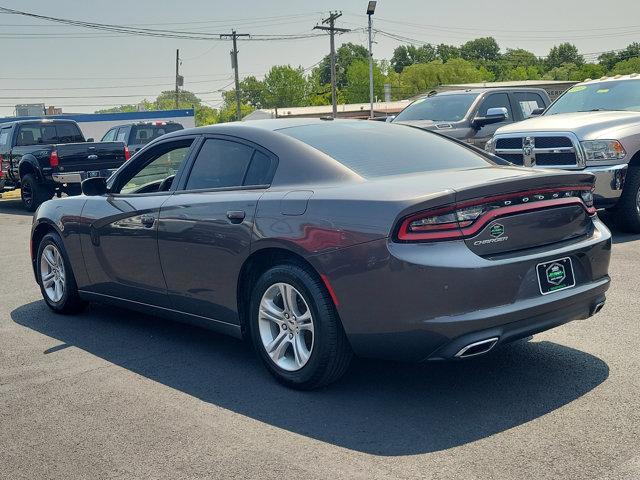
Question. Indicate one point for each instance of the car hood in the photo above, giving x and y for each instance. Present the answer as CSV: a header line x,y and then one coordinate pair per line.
x,y
586,125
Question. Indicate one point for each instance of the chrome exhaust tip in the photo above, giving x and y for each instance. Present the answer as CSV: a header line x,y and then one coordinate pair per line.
x,y
597,307
477,348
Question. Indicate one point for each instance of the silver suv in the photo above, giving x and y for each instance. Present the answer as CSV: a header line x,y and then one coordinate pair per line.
x,y
595,127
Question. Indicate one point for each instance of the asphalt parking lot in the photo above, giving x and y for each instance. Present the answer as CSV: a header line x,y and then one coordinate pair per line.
x,y
113,394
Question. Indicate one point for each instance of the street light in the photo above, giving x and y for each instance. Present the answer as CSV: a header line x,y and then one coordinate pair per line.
x,y
371,8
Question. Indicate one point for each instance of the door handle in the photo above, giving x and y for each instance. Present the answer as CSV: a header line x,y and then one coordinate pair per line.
x,y
147,220
236,216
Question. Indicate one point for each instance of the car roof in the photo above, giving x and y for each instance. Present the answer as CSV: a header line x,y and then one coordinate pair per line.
x,y
483,90
39,120
270,124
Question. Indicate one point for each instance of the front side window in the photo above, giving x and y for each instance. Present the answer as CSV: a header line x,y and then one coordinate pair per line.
x,y
220,164
110,136
439,108
160,167
496,100
4,136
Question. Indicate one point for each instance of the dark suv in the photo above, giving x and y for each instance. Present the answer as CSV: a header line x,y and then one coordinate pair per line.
x,y
473,115
137,135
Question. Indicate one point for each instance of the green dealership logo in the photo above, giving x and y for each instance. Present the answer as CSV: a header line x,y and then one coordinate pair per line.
x,y
497,230
556,274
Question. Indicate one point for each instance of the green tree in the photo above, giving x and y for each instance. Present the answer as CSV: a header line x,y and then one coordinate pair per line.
x,y
422,77
589,70
608,60
357,89
519,57
626,67
522,73
566,71
228,112
564,53
480,49
346,54
447,52
284,86
317,92
252,92
406,55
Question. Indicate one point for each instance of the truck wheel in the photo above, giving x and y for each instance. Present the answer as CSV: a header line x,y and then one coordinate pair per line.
x,y
627,211
33,193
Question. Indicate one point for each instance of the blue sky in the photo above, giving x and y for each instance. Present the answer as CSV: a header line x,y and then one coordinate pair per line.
x,y
67,61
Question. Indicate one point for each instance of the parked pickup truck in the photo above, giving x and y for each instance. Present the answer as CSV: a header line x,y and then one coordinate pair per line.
x,y
137,135
594,127
48,157
473,115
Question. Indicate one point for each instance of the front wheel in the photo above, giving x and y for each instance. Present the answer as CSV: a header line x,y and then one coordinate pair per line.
x,y
296,330
627,211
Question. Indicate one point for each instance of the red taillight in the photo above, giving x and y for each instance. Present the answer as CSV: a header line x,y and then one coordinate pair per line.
x,y
467,218
127,153
54,161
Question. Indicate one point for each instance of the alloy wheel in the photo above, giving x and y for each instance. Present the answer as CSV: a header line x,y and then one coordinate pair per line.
x,y
286,326
52,273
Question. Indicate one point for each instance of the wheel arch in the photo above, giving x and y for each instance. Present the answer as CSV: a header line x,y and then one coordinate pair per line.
x,y
635,160
259,262
39,231
28,164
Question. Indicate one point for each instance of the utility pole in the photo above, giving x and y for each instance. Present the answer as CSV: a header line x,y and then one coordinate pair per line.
x,y
371,8
234,64
333,16
178,79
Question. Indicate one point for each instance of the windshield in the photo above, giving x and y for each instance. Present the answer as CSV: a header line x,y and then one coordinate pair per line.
x,y
447,108
614,95
374,149
142,134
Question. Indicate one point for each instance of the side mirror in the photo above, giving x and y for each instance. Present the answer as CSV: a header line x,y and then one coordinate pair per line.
x,y
90,140
93,187
537,111
494,115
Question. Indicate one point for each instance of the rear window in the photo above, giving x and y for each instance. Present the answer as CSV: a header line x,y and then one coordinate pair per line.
x,y
375,149
44,133
142,134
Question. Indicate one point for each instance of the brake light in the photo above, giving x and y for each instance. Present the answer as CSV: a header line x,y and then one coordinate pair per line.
x,y
466,219
127,153
54,161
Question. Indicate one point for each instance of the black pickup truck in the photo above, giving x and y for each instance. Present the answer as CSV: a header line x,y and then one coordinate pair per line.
x,y
50,157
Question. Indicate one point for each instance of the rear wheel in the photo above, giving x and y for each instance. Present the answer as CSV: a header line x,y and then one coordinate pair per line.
x,y
296,330
33,193
55,276
627,211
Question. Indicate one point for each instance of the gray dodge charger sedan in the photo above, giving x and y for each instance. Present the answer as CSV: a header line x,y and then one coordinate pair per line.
x,y
321,239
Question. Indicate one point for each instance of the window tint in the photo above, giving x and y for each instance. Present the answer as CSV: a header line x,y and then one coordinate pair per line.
x,y
376,149
496,100
164,164
259,170
610,95
110,136
34,134
4,136
527,102
220,163
142,134
122,135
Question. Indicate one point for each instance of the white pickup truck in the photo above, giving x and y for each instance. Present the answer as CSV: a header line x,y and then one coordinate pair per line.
x,y
594,127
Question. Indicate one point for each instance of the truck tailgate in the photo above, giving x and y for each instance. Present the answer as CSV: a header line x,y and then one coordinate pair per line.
x,y
83,157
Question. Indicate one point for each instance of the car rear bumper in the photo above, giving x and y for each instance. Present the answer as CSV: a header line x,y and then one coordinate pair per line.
x,y
78,177
609,184
413,302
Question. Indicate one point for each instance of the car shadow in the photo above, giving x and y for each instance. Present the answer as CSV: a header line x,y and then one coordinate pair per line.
x,y
13,207
378,407
618,235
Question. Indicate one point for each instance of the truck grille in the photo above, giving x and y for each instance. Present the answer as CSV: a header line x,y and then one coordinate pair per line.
x,y
542,150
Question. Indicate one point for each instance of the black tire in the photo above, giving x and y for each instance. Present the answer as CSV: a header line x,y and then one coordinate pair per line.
x,y
331,352
627,211
70,302
33,193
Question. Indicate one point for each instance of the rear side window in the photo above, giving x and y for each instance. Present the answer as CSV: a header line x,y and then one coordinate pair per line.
x,y
259,172
219,164
68,133
122,135
527,102
4,136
